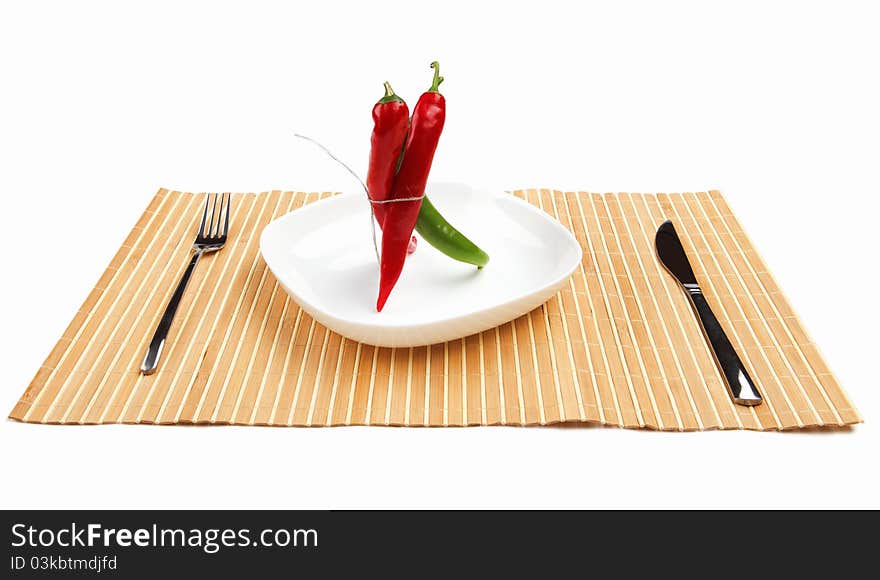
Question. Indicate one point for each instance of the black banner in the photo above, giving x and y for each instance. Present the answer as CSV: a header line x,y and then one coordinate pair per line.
x,y
131,544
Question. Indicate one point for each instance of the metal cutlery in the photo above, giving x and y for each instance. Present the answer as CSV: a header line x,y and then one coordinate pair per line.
x,y
673,257
210,238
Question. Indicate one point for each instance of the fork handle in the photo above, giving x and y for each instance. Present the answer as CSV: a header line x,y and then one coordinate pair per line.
x,y
151,360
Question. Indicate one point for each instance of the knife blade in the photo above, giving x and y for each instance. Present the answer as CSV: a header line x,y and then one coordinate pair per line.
x,y
673,257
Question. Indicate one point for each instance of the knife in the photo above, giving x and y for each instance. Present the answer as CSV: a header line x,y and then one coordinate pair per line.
x,y
675,260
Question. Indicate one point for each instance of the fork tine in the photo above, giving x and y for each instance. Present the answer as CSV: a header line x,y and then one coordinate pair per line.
x,y
205,216
215,231
228,206
214,218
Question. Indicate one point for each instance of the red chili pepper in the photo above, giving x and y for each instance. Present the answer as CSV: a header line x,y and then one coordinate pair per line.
x,y
390,124
426,125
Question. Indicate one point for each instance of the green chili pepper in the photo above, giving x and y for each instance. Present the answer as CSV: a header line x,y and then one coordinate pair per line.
x,y
439,233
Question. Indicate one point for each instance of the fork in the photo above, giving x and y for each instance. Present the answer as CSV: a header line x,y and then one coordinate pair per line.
x,y
211,237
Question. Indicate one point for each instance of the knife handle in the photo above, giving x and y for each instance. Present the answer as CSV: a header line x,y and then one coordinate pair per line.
x,y
737,379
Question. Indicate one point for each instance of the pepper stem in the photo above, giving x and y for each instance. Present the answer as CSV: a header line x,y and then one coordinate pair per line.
x,y
435,86
390,95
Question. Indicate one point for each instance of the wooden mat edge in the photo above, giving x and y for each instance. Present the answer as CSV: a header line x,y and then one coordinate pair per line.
x,y
39,380
716,194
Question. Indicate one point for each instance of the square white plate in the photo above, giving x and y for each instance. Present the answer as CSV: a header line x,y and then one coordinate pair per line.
x,y
323,256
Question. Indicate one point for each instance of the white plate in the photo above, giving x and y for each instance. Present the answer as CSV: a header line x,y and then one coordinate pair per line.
x,y
323,256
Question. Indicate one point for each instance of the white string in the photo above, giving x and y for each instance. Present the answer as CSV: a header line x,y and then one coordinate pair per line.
x,y
363,185
383,201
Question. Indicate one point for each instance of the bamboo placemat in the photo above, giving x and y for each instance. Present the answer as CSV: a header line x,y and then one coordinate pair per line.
x,y
618,345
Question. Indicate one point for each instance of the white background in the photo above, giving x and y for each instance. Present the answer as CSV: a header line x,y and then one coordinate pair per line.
x,y
774,103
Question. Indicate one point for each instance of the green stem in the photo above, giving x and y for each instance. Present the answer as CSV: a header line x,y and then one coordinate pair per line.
x,y
435,86
390,95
